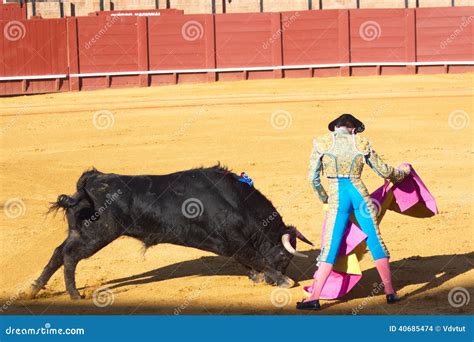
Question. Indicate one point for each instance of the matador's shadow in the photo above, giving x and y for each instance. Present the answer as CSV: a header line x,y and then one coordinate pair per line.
x,y
432,271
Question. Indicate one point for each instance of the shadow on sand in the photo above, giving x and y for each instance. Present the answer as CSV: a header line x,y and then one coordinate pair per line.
x,y
432,272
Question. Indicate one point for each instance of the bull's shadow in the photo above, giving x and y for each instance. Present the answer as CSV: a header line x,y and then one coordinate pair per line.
x,y
432,271
300,269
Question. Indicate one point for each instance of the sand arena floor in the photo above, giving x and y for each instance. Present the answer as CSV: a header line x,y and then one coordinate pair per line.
x,y
48,140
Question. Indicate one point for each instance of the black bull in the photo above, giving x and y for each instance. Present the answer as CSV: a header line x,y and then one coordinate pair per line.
x,y
206,208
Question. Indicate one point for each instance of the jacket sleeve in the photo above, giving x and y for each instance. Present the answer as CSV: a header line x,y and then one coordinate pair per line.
x,y
383,169
314,174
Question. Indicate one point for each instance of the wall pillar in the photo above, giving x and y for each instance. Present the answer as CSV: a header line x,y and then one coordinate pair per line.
x,y
410,39
344,41
276,45
143,55
210,41
73,53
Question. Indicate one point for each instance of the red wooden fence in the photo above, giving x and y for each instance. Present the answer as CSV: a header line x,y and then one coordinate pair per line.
x,y
33,48
12,11
44,55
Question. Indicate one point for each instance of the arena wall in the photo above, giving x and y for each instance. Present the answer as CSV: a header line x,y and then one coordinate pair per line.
x,y
12,11
52,8
94,52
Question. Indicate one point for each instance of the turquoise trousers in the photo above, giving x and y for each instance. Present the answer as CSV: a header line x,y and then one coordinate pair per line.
x,y
347,196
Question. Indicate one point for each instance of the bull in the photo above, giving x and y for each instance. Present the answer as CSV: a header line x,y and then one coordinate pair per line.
x,y
206,208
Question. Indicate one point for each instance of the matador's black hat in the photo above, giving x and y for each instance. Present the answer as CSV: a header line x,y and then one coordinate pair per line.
x,y
347,120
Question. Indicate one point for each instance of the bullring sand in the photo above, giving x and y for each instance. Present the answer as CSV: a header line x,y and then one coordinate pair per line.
x,y
265,128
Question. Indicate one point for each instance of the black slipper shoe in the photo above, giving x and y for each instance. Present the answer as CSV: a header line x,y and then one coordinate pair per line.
x,y
309,305
392,298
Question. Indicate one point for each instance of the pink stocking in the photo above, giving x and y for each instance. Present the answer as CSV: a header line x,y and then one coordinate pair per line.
x,y
321,276
383,268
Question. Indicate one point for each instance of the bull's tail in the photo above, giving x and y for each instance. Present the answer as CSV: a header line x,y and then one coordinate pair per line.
x,y
65,202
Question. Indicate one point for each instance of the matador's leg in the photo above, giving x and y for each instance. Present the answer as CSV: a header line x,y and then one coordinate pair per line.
x,y
366,212
336,223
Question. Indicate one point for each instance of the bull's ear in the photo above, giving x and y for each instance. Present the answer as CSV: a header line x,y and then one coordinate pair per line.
x,y
299,235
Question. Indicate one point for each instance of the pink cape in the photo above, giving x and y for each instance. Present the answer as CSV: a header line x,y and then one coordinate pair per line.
x,y
409,197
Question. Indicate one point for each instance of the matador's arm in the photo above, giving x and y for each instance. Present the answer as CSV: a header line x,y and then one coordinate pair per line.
x,y
314,174
383,169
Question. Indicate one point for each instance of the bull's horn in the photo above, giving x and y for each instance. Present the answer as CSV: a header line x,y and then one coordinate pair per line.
x,y
285,240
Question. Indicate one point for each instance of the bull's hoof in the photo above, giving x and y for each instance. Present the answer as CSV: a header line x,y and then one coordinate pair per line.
x,y
30,292
269,280
76,296
286,282
257,277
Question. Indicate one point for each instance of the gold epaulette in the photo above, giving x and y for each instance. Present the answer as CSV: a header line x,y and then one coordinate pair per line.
x,y
324,142
362,144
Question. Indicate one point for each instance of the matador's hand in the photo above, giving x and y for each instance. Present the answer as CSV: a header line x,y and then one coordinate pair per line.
x,y
405,168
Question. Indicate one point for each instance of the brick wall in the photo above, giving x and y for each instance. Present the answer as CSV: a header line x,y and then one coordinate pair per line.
x,y
287,5
190,6
133,4
242,6
338,4
71,7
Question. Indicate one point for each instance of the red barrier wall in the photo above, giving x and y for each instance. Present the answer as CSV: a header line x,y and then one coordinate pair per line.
x,y
315,37
381,37
445,36
107,44
239,43
33,47
176,48
12,12
176,43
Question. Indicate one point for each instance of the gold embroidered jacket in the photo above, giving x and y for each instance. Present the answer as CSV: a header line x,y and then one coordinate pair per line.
x,y
342,154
